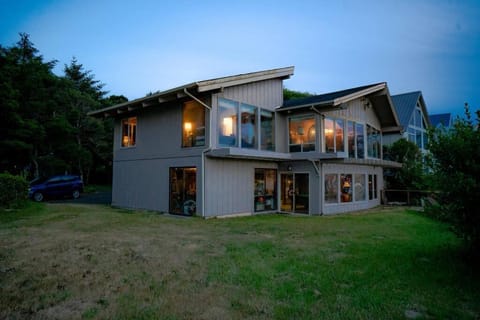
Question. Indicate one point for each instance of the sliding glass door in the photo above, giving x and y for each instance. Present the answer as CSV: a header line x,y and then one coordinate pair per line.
x,y
294,195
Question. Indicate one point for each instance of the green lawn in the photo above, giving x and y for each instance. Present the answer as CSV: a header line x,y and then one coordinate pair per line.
x,y
93,262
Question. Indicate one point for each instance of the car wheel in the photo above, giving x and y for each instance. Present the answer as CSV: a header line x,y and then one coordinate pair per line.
x,y
76,194
38,196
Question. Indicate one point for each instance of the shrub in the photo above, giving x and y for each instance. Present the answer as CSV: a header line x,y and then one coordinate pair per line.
x,y
13,190
456,165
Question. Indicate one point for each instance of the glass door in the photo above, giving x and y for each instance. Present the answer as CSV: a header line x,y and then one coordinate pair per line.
x,y
183,194
294,195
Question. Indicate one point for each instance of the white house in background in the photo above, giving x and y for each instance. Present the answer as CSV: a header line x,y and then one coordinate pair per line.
x,y
232,146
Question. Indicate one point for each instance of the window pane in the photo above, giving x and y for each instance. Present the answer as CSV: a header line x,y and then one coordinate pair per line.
x,y
267,130
360,141
351,139
265,189
370,187
331,188
339,129
301,195
193,124
227,122
302,134
346,183
418,139
183,194
373,142
129,132
360,187
418,118
249,126
329,141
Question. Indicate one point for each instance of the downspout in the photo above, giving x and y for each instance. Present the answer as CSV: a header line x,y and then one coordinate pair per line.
x,y
204,151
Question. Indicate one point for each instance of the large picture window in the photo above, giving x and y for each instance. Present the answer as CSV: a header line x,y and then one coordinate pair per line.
x,y
249,126
302,134
227,122
265,189
193,124
334,131
347,190
360,138
374,142
129,132
267,127
331,188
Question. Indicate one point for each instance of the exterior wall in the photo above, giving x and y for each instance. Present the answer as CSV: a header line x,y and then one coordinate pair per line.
x,y
351,206
141,172
144,184
356,111
229,185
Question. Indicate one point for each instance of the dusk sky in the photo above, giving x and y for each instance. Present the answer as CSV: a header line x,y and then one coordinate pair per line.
x,y
136,47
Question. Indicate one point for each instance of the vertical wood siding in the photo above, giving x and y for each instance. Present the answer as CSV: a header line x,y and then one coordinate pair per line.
x,y
229,185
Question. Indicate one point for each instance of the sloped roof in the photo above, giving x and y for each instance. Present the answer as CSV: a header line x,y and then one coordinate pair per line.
x,y
197,87
377,93
405,105
444,119
326,98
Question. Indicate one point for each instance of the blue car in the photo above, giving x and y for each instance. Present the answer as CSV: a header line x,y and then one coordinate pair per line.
x,y
55,187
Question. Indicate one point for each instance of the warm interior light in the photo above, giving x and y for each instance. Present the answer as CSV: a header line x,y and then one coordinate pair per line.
x,y
328,131
227,126
125,141
188,127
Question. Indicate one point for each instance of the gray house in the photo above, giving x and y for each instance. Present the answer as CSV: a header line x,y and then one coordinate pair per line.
x,y
232,146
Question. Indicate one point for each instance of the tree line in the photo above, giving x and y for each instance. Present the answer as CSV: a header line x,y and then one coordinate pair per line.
x,y
45,128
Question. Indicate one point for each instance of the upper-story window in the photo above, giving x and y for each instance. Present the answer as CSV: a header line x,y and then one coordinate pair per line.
x,y
334,135
417,129
249,126
227,122
245,126
129,132
267,133
302,134
193,128
373,142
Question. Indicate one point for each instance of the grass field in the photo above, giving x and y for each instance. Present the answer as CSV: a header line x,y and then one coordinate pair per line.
x,y
72,261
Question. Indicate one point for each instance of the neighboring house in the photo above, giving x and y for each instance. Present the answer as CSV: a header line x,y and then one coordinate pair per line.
x,y
442,119
413,116
232,146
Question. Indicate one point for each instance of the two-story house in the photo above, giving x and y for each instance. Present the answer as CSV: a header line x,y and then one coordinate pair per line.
x,y
232,146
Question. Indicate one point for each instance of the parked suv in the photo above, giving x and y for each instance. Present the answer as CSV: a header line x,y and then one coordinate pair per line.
x,y
55,186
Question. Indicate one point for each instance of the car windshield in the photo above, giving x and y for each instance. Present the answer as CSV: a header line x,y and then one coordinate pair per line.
x,y
38,181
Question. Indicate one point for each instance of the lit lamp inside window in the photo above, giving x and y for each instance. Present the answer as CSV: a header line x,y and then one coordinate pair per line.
x,y
188,128
125,141
227,126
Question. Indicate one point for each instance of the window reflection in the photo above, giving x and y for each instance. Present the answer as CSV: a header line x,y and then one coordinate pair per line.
x,y
302,134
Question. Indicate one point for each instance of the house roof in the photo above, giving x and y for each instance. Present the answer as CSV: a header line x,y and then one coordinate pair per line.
x,y
444,119
405,104
377,93
195,87
331,98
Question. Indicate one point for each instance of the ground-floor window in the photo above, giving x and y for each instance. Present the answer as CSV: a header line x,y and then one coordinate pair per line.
x,y
372,187
265,189
294,194
347,187
183,190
